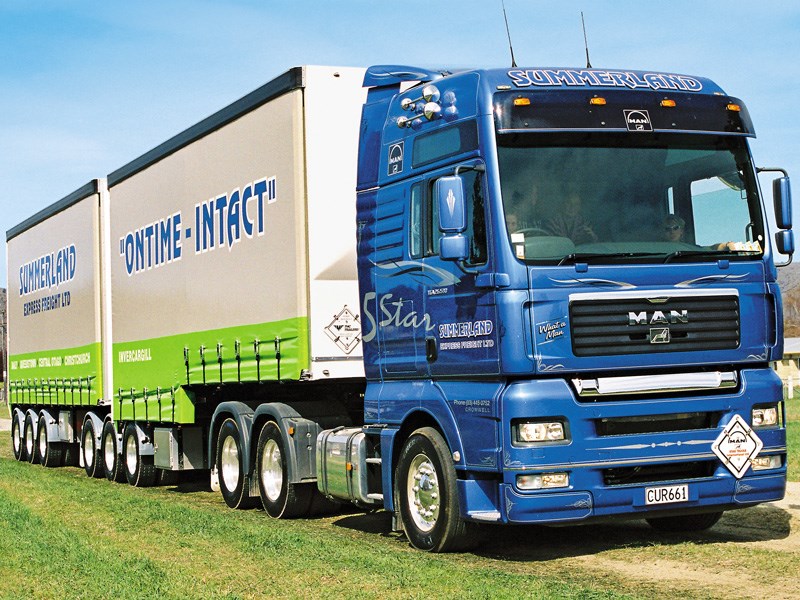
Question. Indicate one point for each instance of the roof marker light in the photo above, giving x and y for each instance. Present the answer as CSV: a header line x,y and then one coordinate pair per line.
x,y
522,101
734,107
667,103
597,101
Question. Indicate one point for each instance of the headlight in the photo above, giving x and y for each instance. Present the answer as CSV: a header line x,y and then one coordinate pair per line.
x,y
540,432
765,416
762,463
543,481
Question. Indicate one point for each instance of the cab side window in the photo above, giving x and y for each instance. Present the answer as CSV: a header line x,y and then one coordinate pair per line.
x,y
424,231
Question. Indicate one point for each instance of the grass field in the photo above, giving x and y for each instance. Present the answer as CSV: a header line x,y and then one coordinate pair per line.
x,y
63,535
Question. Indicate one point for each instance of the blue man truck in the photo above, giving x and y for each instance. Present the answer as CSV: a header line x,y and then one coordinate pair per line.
x,y
484,296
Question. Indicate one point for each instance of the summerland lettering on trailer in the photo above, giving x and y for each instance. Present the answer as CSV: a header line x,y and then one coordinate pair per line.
x,y
48,271
218,222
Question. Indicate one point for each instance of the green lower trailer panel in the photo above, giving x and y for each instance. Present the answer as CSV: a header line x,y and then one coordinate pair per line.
x,y
64,377
149,375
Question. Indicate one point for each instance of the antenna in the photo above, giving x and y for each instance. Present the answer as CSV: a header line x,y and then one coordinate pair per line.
x,y
508,33
585,42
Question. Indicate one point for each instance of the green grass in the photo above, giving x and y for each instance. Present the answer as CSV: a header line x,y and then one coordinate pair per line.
x,y
63,535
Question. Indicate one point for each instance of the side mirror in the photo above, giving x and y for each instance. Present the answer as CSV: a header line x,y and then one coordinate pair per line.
x,y
784,241
449,194
782,197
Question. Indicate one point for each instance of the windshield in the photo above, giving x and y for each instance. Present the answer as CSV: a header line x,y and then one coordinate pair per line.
x,y
602,197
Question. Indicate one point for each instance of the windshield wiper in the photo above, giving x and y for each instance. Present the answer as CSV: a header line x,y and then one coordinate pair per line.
x,y
589,256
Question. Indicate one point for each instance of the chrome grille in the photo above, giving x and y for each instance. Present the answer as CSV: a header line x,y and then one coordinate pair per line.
x,y
627,325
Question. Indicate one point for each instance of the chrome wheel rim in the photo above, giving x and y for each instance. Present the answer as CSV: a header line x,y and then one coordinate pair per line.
x,y
271,470
131,456
15,436
88,447
230,463
43,443
422,493
29,445
108,451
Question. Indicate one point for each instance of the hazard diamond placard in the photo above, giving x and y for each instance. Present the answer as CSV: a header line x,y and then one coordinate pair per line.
x,y
737,445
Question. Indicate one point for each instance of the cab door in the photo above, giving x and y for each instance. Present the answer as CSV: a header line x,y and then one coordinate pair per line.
x,y
463,339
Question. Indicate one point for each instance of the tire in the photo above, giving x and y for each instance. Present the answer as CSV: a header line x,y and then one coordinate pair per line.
x,y
18,439
112,459
29,440
139,470
50,452
426,495
92,458
233,481
684,523
280,498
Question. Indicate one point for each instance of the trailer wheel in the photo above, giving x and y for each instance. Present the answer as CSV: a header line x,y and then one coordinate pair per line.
x,y
30,441
50,452
112,460
18,438
280,497
139,470
92,459
699,522
233,481
425,488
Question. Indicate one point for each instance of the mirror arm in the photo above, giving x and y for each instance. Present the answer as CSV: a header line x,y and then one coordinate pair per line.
x,y
478,168
461,265
772,170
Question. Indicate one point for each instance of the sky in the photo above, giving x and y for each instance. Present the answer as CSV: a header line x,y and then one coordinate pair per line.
x,y
87,86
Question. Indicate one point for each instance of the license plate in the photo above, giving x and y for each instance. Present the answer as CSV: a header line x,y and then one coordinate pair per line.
x,y
666,494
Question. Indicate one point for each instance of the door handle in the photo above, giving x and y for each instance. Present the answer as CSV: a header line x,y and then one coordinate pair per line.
x,y
431,350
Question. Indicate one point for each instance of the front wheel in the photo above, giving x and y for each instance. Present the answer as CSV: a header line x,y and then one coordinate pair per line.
x,y
426,494
699,522
280,498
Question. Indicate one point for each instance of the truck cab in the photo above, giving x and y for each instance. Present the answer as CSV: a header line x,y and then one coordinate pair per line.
x,y
569,299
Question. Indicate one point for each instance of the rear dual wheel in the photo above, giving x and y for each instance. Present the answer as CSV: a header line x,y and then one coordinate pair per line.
x,y
50,452
139,470
233,481
29,437
90,450
280,497
112,459
18,438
